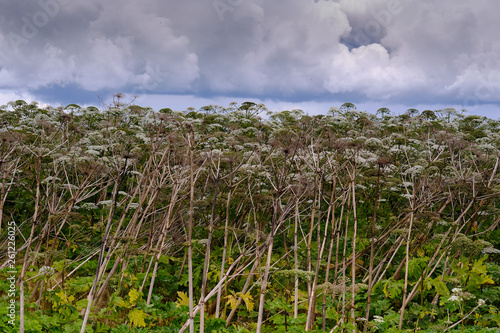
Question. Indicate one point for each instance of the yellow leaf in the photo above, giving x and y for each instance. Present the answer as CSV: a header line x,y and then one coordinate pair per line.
x,y
248,299
64,299
131,278
231,301
137,318
61,295
386,293
183,299
134,294
488,280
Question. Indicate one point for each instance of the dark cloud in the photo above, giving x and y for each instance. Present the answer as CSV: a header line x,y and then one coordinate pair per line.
x,y
400,51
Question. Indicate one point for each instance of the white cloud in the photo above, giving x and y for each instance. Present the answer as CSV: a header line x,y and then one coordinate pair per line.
x,y
402,50
11,95
371,70
115,48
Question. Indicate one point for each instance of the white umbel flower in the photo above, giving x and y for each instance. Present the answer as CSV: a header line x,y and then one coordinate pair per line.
x,y
46,270
455,298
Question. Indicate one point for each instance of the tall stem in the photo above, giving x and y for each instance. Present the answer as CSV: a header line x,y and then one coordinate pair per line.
x,y
99,270
190,232
406,271
207,255
224,250
372,252
355,217
38,166
296,261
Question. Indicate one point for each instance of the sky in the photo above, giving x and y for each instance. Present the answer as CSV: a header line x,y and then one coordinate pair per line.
x,y
287,54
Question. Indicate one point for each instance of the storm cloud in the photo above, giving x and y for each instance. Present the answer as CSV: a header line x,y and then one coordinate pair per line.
x,y
403,52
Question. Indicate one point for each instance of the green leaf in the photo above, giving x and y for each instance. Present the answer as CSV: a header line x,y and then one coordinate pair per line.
x,y
119,301
166,259
438,285
393,289
82,304
416,266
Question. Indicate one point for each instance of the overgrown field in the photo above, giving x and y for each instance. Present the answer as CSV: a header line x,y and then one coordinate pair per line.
x,y
134,220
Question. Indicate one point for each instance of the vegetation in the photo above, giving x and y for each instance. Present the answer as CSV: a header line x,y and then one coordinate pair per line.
x,y
218,220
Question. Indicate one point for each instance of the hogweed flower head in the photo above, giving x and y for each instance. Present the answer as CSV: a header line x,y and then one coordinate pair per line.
x,y
459,295
46,270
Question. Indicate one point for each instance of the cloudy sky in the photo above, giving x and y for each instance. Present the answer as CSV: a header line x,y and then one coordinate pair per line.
x,y
308,54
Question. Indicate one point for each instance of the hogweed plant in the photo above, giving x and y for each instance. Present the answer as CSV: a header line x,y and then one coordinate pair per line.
x,y
238,219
